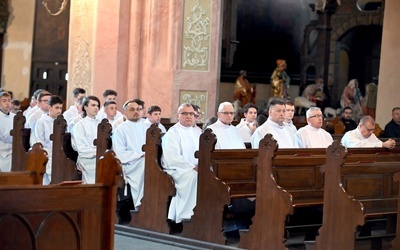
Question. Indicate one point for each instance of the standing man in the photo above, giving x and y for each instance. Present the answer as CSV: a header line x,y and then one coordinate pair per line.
x,y
312,135
347,120
74,109
108,95
363,136
43,103
274,125
43,130
6,125
179,145
228,136
128,140
154,116
83,134
392,129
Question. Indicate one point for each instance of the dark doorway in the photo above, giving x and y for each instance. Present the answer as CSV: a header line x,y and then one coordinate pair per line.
x,y
50,48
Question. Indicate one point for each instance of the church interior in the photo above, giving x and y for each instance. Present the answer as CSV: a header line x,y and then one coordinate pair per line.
x,y
169,52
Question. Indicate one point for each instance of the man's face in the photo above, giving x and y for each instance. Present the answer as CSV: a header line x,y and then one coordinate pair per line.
x,y
289,112
198,116
15,108
316,119
133,112
186,116
277,113
396,115
44,103
226,115
155,117
367,129
110,98
55,110
5,104
92,108
111,111
347,114
251,115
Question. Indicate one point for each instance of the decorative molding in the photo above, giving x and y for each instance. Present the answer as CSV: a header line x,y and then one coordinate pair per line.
x,y
196,39
196,97
81,63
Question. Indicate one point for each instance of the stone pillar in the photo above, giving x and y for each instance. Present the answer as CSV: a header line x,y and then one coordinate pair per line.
x,y
164,52
389,74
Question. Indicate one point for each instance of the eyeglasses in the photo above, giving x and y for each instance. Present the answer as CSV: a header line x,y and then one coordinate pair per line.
x,y
369,129
187,113
316,116
227,113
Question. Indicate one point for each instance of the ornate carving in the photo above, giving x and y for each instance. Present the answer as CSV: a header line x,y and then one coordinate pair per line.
x,y
196,55
81,62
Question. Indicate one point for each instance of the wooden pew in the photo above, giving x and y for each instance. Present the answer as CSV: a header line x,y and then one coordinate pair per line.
x,y
273,202
295,170
33,173
158,187
103,141
20,144
353,193
61,216
63,168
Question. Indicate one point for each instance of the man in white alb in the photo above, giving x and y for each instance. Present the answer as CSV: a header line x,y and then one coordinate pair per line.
x,y
228,136
128,139
274,125
363,136
74,109
248,124
6,125
289,113
179,144
154,116
313,135
82,137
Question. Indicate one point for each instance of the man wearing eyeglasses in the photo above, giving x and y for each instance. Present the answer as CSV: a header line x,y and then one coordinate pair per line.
x,y
128,139
228,136
363,136
313,135
178,145
275,126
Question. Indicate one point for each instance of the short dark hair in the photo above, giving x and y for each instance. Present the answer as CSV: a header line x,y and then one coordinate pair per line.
x,y
137,101
55,99
80,100
108,92
152,109
276,102
85,103
78,91
16,102
290,103
261,119
395,108
347,108
248,106
108,103
195,107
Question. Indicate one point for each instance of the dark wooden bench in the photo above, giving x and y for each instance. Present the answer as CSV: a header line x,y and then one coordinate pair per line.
x,y
158,187
297,171
20,144
63,167
33,173
61,216
354,192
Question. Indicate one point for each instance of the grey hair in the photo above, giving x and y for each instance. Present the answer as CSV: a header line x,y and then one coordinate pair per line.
x,y
184,105
367,118
222,105
310,110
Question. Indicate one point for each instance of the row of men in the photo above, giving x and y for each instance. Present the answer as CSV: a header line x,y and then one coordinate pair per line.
x,y
182,140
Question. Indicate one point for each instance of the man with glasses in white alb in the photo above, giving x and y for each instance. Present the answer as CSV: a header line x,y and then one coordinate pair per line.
x,y
313,135
228,136
363,136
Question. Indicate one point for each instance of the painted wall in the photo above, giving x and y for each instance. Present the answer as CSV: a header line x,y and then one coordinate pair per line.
x,y
17,48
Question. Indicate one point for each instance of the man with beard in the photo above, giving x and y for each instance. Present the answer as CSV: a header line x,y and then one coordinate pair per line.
x,y
128,139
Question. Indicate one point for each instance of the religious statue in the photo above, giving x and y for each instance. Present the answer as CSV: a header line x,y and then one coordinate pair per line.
x,y
244,92
280,80
315,92
371,93
352,98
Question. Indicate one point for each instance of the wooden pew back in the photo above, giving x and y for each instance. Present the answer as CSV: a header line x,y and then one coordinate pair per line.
x,y
61,216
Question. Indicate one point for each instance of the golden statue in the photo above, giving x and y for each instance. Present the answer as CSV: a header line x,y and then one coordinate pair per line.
x,y
280,80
